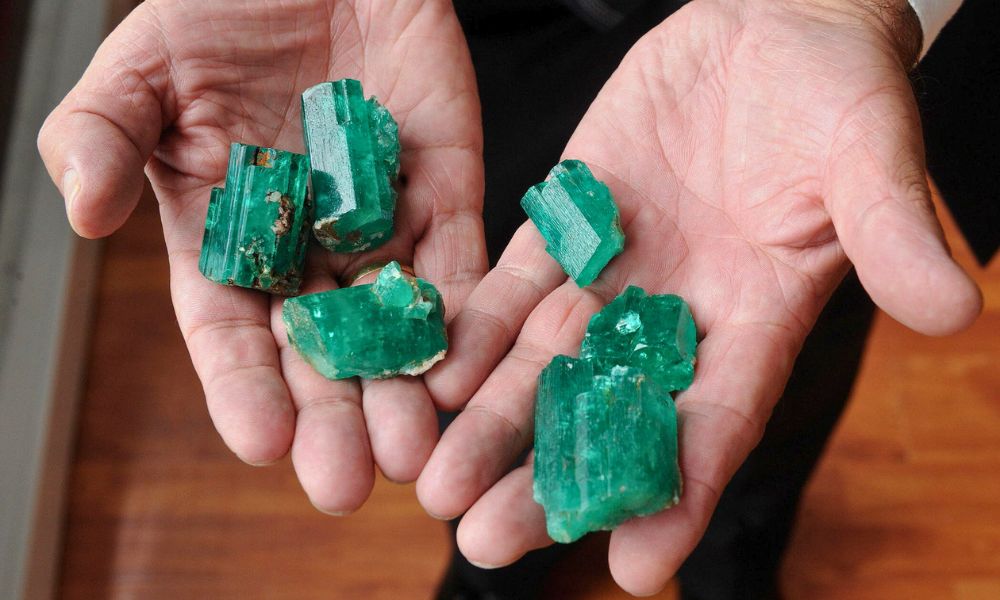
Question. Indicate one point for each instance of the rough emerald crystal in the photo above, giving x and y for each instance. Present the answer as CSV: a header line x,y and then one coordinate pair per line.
x,y
394,326
655,334
353,145
578,218
606,425
257,228
605,447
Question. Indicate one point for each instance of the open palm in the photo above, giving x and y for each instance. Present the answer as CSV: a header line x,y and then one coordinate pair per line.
x,y
170,89
755,149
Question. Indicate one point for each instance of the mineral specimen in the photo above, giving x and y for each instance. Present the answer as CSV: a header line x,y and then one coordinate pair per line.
x,y
257,228
655,334
353,147
605,447
578,218
606,425
394,326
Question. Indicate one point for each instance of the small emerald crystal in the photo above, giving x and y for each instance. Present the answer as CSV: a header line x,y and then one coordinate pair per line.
x,y
257,228
655,334
394,326
606,425
353,146
578,218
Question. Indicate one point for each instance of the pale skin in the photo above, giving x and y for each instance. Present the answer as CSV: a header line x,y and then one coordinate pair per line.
x,y
756,149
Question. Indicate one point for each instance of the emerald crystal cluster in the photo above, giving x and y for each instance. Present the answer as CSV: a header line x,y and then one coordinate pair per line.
x,y
257,233
391,327
578,218
605,423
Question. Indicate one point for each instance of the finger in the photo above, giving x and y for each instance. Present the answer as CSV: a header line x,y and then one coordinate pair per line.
x,y
451,253
96,142
401,420
330,452
228,334
492,316
496,426
402,426
504,524
740,373
878,197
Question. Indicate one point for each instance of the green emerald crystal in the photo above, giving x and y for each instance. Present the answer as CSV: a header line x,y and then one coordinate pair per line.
x,y
394,326
578,218
606,425
353,146
605,447
655,334
257,228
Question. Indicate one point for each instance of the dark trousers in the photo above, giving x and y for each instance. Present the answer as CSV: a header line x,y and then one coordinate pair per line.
x,y
539,67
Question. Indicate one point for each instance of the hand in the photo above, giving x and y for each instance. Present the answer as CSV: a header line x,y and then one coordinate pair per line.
x,y
756,149
170,89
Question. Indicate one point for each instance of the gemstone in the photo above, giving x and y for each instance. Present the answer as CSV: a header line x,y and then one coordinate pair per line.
x,y
394,326
606,424
578,218
257,228
605,447
353,147
655,334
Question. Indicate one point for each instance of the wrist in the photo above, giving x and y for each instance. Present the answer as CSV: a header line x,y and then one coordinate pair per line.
x,y
895,20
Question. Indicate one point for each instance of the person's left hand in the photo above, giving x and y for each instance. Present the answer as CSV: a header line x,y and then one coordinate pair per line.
x,y
755,149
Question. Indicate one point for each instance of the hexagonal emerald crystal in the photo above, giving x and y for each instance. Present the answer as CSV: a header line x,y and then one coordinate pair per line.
x,y
605,447
578,218
257,228
353,146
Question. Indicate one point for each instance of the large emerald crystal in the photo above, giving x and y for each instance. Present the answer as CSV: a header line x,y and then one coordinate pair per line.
x,y
353,146
394,326
606,425
257,228
578,218
655,334
605,447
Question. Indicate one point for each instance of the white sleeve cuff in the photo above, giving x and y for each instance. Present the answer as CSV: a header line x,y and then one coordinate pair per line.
x,y
933,15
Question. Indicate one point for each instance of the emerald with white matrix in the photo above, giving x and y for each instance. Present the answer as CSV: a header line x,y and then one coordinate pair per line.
x,y
394,326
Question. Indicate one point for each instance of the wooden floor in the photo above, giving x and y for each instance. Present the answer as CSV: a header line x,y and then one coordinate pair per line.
x,y
905,505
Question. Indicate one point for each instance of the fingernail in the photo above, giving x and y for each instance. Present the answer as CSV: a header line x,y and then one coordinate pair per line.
x,y
70,189
482,565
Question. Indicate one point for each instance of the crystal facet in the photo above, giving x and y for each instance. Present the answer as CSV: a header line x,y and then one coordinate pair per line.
x,y
655,334
257,228
394,326
578,218
605,447
606,425
353,146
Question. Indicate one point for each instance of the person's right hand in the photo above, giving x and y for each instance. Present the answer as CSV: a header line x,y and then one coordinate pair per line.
x,y
169,90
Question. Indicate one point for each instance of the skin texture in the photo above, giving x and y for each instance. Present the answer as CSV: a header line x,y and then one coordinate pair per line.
x,y
167,92
755,149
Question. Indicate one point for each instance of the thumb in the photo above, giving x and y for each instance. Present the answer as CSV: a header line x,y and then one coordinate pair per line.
x,y
878,197
97,141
